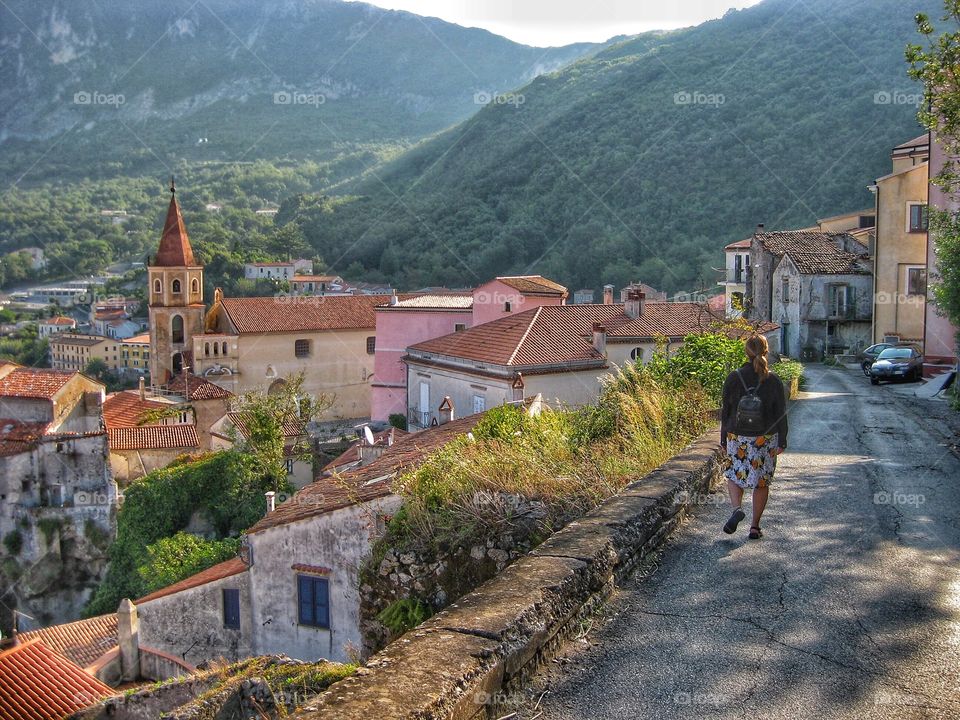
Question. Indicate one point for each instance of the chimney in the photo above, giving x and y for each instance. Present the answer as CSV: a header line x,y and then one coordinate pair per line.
x,y
600,337
143,388
447,411
394,300
608,294
271,501
128,638
759,228
633,307
518,388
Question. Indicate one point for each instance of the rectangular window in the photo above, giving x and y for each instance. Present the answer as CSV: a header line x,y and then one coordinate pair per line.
x,y
459,327
479,404
301,348
371,345
839,300
785,291
918,217
916,281
289,466
314,601
231,609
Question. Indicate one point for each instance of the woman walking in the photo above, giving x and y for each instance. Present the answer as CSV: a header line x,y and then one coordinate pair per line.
x,y
753,428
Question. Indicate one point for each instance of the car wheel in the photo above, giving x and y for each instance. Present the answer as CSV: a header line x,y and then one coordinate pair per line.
x,y
866,367
874,381
918,375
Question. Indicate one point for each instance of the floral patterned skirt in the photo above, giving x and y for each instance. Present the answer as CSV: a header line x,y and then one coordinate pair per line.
x,y
751,463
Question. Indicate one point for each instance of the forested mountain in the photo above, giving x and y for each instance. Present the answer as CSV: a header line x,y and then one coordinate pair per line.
x,y
133,87
643,160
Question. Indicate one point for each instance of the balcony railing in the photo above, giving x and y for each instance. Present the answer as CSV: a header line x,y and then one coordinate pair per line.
x,y
733,276
417,418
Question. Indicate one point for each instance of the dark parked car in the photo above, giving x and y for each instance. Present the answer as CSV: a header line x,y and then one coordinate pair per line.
x,y
869,356
897,363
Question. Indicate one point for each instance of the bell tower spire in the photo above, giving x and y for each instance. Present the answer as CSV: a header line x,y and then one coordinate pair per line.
x,y
175,292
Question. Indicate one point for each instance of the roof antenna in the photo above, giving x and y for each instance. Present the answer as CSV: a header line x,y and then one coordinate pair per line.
x,y
173,187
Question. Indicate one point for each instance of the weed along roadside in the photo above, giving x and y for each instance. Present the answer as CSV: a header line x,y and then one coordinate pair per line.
x,y
515,534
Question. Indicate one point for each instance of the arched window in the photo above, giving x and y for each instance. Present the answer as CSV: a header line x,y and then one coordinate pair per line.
x,y
216,348
194,286
206,349
157,286
177,362
224,347
176,329
276,386
636,354
175,287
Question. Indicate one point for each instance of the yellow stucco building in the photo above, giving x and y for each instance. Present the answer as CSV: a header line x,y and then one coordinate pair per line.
x,y
900,256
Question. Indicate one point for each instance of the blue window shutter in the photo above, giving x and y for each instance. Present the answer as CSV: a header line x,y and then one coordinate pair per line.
x,y
306,599
231,608
322,594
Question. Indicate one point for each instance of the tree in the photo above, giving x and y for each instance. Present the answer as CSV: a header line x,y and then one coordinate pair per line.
x,y
266,413
938,67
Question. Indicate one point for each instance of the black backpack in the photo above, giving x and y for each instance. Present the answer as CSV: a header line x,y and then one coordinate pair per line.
x,y
750,410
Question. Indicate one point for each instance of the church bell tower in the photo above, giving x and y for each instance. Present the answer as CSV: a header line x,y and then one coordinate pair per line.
x,y
174,298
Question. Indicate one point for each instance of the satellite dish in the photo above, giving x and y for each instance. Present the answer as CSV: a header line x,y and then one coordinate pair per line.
x,y
368,435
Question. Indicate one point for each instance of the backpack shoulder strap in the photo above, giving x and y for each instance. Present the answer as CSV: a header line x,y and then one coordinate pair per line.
x,y
749,390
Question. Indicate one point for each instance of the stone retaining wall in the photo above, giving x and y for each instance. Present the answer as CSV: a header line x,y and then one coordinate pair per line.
x,y
494,637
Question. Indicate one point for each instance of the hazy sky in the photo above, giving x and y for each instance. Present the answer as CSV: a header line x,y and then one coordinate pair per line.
x,y
558,22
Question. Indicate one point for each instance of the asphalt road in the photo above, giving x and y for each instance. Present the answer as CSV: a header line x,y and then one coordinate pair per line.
x,y
849,607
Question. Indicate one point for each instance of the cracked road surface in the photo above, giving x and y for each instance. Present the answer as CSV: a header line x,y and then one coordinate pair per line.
x,y
849,607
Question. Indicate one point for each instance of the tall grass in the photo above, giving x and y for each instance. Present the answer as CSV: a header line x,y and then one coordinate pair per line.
x,y
544,471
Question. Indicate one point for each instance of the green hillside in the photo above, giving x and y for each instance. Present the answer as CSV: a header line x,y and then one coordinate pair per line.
x,y
642,161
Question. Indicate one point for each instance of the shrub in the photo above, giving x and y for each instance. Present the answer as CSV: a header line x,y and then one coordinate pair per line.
x,y
788,370
13,542
398,420
174,558
403,615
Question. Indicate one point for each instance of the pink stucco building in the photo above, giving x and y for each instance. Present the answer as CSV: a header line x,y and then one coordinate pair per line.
x,y
407,322
940,336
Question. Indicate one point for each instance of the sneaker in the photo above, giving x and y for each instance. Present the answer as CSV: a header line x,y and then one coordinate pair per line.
x,y
731,527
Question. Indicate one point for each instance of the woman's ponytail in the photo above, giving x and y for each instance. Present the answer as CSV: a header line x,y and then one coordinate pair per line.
x,y
757,348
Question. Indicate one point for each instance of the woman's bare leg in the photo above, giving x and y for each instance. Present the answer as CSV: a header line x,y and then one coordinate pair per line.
x,y
736,494
760,496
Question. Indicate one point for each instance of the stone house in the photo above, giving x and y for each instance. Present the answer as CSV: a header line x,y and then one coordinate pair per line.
x,y
768,248
822,302
295,589
318,285
900,255
734,281
57,497
140,444
56,325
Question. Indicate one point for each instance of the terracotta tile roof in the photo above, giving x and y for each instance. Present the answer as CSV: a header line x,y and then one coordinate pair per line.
x,y
738,245
228,568
835,263
352,454
37,683
294,314
539,336
60,320
442,302
813,241
175,250
368,482
316,278
200,388
533,285
126,409
81,642
291,428
143,339
153,437
17,437
34,382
